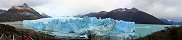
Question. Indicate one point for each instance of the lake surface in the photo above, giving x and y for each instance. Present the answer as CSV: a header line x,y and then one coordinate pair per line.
x,y
145,29
140,30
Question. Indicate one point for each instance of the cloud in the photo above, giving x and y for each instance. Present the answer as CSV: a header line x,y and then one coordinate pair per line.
x,y
80,7
160,8
6,4
68,7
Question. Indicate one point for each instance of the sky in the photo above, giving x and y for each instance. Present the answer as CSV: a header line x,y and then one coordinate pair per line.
x,y
158,8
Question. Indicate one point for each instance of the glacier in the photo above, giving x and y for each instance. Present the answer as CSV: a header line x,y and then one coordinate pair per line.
x,y
77,27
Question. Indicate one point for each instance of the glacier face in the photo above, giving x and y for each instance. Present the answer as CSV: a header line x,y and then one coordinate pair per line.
x,y
75,27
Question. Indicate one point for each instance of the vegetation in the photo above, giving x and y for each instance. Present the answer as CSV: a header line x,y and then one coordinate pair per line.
x,y
169,33
7,32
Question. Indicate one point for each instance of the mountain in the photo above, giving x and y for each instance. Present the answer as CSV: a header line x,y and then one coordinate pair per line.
x,y
19,13
94,14
45,15
166,20
132,15
2,11
173,22
177,19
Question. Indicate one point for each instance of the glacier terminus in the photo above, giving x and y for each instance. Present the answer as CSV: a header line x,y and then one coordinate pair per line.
x,y
81,27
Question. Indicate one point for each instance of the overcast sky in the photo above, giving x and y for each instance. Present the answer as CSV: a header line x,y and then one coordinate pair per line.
x,y
158,8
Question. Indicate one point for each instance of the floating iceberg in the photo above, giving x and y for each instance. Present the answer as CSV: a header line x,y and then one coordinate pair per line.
x,y
76,27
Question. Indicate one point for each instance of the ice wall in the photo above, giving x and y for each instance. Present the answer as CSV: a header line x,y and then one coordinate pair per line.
x,y
75,27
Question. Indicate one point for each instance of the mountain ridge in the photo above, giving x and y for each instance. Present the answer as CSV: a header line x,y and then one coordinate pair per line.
x,y
20,13
132,15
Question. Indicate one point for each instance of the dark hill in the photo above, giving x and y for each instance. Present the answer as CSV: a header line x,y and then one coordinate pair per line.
x,y
133,15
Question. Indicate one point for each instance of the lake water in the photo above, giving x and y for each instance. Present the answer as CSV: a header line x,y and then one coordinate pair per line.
x,y
145,29
140,30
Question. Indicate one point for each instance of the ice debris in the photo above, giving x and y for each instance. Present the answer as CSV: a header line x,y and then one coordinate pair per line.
x,y
75,27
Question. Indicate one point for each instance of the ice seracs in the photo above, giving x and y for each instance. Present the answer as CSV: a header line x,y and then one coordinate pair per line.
x,y
76,27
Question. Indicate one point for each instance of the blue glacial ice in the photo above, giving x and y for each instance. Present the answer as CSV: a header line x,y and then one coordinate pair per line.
x,y
76,27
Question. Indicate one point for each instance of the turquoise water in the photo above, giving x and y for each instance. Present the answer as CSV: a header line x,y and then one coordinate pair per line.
x,y
145,29
140,30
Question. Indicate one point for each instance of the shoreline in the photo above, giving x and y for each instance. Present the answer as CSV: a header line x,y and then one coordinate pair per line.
x,y
169,33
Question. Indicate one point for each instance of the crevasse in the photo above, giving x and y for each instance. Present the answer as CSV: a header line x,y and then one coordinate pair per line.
x,y
76,27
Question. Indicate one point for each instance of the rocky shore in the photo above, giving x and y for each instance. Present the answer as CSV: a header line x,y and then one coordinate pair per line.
x,y
169,33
